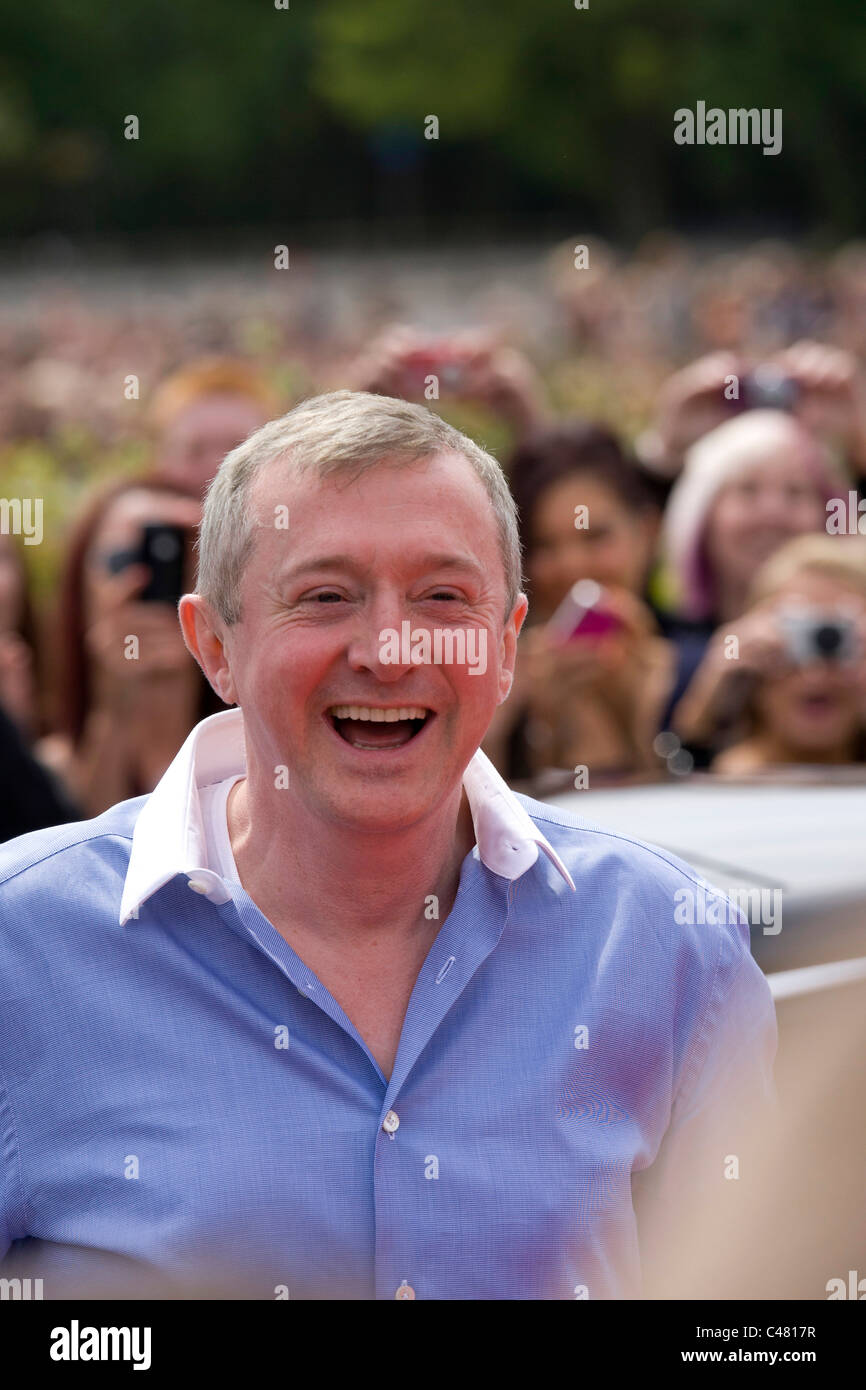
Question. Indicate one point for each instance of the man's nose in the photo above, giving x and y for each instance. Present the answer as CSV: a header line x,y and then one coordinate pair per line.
x,y
381,640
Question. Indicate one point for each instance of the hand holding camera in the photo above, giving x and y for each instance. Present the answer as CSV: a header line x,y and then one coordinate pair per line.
x,y
136,636
469,366
823,386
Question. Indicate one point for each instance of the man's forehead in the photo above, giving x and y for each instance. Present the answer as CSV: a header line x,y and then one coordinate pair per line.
x,y
280,478
459,536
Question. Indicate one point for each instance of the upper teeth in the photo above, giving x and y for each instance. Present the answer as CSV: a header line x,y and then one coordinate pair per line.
x,y
386,716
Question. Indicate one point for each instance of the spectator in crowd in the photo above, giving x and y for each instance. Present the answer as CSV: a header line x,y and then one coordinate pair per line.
x,y
786,682
469,366
18,641
585,514
823,387
32,797
747,487
127,691
202,412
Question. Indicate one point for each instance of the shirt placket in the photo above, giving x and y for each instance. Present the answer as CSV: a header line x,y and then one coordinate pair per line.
x,y
471,931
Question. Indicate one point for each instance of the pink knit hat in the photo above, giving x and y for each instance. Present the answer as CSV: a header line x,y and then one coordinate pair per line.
x,y
715,460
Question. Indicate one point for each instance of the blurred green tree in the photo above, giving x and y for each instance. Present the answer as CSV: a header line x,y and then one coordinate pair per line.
x,y
250,115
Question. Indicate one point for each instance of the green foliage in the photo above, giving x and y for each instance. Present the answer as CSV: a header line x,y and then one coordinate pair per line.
x,y
249,113
61,473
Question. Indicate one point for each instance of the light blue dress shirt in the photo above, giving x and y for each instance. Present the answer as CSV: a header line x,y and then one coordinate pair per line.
x,y
184,1106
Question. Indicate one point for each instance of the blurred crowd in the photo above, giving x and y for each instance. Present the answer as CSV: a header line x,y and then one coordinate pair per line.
x,y
685,438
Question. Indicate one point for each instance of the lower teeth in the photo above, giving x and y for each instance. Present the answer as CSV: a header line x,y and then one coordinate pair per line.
x,y
394,742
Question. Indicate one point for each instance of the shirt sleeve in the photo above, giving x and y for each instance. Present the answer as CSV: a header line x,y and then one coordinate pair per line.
x,y
692,1203
9,1187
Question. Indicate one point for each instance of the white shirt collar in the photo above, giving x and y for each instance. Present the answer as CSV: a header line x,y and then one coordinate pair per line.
x,y
169,835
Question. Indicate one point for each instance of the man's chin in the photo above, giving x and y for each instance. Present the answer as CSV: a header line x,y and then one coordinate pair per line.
x,y
383,810
372,804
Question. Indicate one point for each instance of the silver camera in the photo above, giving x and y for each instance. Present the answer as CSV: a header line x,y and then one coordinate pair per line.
x,y
815,635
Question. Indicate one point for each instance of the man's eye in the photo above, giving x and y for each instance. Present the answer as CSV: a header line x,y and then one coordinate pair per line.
x,y
443,594
324,596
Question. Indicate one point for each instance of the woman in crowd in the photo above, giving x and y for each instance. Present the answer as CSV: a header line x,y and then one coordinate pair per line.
x,y
591,701
127,690
786,682
202,412
747,487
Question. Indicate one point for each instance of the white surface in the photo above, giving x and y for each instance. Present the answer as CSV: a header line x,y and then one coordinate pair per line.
x,y
800,838
788,984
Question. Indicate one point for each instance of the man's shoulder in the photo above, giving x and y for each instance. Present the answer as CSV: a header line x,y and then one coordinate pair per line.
x,y
58,853
637,904
643,897
584,844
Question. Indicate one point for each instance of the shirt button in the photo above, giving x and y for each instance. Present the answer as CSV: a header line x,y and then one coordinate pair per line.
x,y
405,1291
389,1124
198,885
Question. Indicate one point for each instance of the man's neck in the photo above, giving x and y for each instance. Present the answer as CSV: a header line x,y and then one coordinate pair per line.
x,y
346,889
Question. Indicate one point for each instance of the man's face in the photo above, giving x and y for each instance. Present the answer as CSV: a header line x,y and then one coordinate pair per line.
x,y
416,545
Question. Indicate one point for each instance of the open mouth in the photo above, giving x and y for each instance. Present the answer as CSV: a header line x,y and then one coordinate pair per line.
x,y
371,728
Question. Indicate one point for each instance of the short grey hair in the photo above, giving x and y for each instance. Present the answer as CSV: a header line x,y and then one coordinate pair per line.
x,y
340,432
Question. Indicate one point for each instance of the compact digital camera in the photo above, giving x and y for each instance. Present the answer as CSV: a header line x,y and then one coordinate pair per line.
x,y
813,635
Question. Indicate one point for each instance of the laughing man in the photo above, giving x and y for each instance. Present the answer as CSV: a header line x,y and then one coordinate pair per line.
x,y
332,1013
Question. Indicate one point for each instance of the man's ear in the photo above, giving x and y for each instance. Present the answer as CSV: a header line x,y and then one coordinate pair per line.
x,y
510,633
204,634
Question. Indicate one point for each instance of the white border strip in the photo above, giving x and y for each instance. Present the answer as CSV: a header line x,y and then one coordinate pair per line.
x,y
787,984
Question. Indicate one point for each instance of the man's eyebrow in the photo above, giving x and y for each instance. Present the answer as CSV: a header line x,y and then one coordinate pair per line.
x,y
432,561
